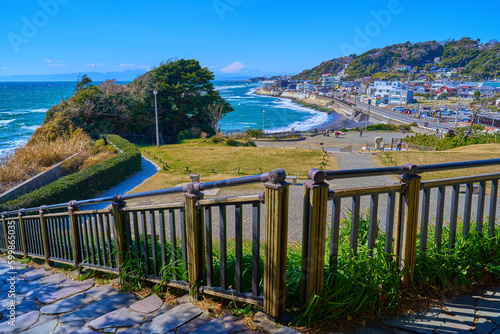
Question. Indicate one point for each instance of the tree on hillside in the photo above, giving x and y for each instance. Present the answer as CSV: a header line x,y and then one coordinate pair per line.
x,y
185,90
478,105
215,114
82,81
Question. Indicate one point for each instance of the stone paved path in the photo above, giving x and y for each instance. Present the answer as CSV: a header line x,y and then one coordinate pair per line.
x,y
462,314
46,303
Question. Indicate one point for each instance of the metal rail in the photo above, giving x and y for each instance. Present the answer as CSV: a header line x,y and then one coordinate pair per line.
x,y
276,176
319,176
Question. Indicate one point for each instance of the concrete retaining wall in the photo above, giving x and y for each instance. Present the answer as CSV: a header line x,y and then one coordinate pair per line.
x,y
35,182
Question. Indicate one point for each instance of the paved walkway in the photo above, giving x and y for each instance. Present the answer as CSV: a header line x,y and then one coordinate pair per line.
x,y
148,170
45,303
462,314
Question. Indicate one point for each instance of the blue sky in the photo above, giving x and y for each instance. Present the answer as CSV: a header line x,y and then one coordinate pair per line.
x,y
68,36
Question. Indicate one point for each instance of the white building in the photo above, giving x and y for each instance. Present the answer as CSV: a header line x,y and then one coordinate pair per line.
x,y
328,82
391,92
305,86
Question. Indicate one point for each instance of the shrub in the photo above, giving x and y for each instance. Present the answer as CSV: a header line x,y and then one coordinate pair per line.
x,y
87,183
255,133
216,139
232,142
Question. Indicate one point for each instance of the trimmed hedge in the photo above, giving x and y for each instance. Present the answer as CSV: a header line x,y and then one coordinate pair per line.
x,y
85,184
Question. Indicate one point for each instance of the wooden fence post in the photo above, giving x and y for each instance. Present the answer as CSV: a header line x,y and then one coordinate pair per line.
x,y
411,205
45,235
314,235
23,233
120,230
276,237
5,233
195,240
75,234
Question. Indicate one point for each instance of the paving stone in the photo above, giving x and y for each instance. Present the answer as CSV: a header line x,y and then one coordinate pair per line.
x,y
29,287
25,307
122,317
463,307
17,285
100,292
373,328
6,301
194,324
69,327
233,324
25,270
64,306
174,318
490,308
109,330
66,292
451,321
147,305
46,318
265,322
128,331
84,330
183,300
42,291
22,323
214,327
287,330
99,308
425,323
44,328
36,274
484,326
54,278
67,282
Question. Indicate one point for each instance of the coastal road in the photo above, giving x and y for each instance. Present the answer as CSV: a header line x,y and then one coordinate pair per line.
x,y
401,117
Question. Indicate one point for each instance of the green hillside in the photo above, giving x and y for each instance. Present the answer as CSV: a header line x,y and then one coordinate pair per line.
x,y
481,60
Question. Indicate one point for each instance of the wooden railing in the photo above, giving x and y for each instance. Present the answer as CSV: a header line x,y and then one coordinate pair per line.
x,y
187,244
402,211
176,236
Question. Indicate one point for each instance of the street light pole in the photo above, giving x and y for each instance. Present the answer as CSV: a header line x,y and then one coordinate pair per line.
x,y
263,121
155,92
368,115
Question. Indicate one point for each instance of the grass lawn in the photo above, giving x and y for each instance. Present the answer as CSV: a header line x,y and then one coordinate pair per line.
x,y
465,153
220,161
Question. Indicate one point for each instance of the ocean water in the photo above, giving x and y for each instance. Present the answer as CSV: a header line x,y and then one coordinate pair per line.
x,y
23,107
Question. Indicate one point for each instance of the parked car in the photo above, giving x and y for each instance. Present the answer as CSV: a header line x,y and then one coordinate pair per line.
x,y
398,109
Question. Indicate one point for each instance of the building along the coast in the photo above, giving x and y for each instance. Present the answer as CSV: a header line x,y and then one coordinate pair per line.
x,y
390,92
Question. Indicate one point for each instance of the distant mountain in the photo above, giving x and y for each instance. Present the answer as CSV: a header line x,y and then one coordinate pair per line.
x,y
128,75
480,60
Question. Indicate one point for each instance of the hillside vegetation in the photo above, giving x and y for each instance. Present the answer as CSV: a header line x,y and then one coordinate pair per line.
x,y
185,92
481,60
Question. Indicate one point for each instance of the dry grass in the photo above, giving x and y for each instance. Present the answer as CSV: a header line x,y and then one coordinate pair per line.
x,y
218,162
36,156
466,153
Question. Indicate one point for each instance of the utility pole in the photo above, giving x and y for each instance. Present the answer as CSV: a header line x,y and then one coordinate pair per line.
x,y
155,92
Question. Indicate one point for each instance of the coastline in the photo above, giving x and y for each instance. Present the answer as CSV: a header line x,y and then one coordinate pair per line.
x,y
335,120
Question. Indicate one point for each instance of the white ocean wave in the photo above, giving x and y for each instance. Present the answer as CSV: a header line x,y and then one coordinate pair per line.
x,y
222,88
6,121
308,124
30,128
24,111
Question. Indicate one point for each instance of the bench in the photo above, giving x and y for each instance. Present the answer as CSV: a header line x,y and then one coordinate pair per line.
x,y
293,178
475,188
